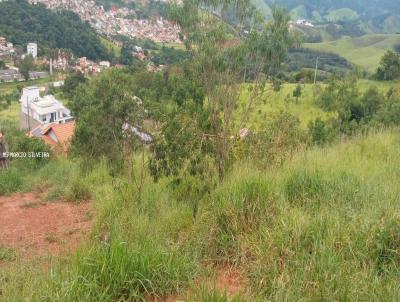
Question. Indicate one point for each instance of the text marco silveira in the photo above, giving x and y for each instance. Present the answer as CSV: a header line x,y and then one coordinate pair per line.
x,y
26,154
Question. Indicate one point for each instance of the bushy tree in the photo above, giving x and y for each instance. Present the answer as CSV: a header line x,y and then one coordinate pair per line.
x,y
225,60
101,108
126,57
320,132
389,68
72,81
272,143
297,92
26,66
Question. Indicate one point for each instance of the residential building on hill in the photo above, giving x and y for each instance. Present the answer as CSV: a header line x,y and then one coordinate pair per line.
x,y
37,110
32,49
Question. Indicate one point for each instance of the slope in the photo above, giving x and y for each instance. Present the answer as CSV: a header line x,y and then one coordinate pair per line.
x,y
365,51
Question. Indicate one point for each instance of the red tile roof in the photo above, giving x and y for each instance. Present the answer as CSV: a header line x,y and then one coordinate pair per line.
x,y
63,133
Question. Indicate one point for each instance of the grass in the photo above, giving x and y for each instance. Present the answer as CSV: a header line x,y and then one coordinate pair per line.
x,y
274,102
324,226
7,87
10,115
177,46
111,47
7,254
365,52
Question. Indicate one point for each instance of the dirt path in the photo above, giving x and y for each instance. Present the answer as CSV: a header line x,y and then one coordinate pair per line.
x,y
36,228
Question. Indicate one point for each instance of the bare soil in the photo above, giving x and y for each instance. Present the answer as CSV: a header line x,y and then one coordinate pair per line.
x,y
36,228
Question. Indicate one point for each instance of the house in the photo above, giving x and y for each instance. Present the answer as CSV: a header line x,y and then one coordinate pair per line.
x,y
57,136
32,49
105,64
303,22
37,110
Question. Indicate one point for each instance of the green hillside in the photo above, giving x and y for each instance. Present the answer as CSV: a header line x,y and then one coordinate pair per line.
x,y
22,23
365,52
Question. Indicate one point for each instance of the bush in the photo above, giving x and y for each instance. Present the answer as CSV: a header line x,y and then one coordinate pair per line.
x,y
320,132
276,142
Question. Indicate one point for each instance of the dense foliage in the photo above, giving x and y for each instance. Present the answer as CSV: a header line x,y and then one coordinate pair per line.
x,y
22,23
389,68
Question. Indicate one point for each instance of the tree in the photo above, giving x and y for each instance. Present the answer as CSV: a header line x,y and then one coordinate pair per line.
x,y
225,60
2,65
389,68
25,66
320,132
297,92
72,82
101,109
126,55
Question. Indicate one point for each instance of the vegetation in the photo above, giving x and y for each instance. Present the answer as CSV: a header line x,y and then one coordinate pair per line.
x,y
22,23
218,164
389,68
365,52
26,66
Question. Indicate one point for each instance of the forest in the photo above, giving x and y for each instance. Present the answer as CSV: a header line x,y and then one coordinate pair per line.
x,y
22,23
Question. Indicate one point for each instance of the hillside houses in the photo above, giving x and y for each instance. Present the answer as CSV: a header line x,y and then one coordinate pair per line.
x,y
41,111
6,48
118,21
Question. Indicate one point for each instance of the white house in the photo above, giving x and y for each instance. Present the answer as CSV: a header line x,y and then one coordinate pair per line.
x,y
32,50
37,110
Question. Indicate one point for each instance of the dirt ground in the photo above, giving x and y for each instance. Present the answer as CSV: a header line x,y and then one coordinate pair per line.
x,y
35,228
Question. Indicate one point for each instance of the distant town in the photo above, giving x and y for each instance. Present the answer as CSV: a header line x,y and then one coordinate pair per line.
x,y
117,21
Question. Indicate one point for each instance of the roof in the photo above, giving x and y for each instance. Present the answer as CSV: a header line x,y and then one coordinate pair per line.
x,y
62,132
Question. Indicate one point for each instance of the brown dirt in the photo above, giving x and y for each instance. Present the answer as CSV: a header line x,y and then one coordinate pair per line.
x,y
230,280
36,228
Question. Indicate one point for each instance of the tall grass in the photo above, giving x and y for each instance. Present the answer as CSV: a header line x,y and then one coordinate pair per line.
x,y
122,272
323,227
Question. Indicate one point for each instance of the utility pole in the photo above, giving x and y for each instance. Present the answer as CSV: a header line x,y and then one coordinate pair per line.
x,y
316,69
29,120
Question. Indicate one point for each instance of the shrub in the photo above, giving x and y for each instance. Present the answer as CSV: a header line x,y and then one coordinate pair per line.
x,y
320,132
276,142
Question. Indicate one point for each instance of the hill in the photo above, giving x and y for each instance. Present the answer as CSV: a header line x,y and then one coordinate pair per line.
x,y
319,10
365,51
22,23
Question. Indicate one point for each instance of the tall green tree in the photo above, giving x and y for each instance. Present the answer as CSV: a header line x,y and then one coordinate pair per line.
x,y
26,66
226,55
101,109
389,68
